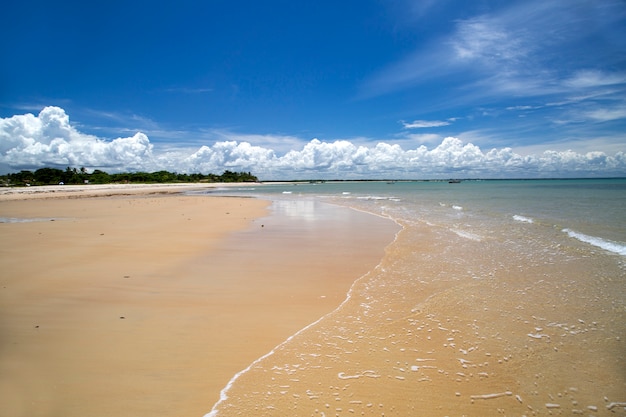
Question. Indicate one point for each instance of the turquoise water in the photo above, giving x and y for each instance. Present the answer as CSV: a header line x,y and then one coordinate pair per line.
x,y
589,210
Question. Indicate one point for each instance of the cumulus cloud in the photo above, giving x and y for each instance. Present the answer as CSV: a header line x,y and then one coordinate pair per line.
x,y
231,155
48,139
28,141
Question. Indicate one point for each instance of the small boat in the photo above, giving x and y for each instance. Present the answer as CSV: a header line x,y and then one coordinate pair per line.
x,y
454,182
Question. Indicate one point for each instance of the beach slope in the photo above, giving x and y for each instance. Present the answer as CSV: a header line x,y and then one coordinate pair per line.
x,y
147,302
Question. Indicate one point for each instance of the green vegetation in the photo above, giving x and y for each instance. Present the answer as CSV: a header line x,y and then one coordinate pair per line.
x,y
52,176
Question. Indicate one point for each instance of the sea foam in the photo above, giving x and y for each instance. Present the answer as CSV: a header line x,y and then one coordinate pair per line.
x,y
605,244
467,235
522,219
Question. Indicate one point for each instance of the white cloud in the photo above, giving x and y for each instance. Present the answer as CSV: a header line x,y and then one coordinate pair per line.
x,y
48,139
523,107
484,47
594,78
521,49
605,115
231,155
482,40
418,124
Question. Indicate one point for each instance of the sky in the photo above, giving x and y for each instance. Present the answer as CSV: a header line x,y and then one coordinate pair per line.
x,y
320,89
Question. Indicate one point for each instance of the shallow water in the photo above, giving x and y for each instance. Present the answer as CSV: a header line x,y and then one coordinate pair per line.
x,y
497,298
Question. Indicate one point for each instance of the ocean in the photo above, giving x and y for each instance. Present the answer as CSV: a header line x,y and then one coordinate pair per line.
x,y
497,297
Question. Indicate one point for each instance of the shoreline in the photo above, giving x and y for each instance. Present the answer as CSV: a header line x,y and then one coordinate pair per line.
x,y
108,190
355,245
454,325
172,307
214,412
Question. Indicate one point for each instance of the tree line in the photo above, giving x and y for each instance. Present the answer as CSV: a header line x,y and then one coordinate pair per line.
x,y
50,176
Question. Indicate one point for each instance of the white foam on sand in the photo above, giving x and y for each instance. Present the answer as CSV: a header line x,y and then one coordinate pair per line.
x,y
522,219
467,235
377,197
605,244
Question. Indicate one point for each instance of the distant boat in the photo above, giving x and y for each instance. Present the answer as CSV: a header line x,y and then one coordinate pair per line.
x,y
454,181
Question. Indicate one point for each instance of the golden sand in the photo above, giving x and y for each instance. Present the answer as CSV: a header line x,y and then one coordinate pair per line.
x,y
148,305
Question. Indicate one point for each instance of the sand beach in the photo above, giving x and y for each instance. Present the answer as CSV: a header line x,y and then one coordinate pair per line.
x,y
134,301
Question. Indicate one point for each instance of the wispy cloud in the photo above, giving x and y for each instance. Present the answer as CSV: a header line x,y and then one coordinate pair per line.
x,y
482,41
419,124
512,51
605,115
36,105
530,71
590,78
523,107
119,121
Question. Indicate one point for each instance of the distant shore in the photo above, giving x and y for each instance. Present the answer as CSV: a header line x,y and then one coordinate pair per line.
x,y
47,191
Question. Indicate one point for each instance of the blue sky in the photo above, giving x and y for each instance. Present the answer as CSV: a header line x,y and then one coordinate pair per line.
x,y
294,89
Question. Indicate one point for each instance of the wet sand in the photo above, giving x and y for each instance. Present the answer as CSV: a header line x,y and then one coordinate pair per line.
x,y
147,305
437,333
